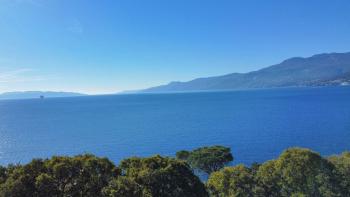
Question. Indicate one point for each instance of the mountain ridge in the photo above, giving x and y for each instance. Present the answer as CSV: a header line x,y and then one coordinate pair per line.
x,y
317,70
37,94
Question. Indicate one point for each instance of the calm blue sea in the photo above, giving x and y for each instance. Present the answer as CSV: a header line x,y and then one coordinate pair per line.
x,y
256,124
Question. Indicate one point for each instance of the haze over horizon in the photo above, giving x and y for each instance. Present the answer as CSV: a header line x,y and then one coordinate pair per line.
x,y
68,46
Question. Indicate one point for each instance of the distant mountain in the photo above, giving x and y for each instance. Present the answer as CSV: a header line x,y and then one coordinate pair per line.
x,y
318,70
37,94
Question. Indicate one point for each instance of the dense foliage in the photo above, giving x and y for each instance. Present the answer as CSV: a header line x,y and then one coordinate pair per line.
x,y
207,159
156,176
87,175
232,181
296,172
83,175
342,165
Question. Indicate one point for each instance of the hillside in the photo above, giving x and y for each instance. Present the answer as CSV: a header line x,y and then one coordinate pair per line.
x,y
37,94
318,70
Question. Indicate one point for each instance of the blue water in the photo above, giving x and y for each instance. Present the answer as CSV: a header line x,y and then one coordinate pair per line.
x,y
256,124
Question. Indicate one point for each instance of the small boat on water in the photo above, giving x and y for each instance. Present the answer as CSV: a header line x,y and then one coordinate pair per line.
x,y
42,97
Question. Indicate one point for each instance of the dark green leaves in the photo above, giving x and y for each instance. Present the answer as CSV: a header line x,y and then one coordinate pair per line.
x,y
207,159
83,175
156,176
297,172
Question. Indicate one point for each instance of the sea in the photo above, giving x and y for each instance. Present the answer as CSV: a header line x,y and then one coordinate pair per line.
x,y
256,124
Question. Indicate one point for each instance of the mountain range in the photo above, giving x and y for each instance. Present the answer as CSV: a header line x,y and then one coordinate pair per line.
x,y
318,70
37,94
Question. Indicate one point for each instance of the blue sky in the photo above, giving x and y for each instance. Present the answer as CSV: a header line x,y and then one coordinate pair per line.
x,y
106,46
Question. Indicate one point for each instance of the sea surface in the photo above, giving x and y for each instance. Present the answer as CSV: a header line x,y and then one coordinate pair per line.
x,y
257,124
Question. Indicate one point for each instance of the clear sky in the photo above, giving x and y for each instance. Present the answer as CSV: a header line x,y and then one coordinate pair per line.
x,y
106,46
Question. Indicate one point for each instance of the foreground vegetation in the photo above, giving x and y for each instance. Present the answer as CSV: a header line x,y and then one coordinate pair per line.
x,y
296,172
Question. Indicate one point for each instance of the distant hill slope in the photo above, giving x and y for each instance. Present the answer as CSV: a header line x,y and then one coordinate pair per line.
x,y
37,94
318,70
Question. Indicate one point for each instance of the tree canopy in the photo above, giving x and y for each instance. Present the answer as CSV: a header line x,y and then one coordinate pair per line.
x,y
297,172
342,165
207,159
83,175
156,176
233,181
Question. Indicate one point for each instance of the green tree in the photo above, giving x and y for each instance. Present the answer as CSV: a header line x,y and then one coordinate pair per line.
x,y
156,176
83,175
299,171
269,179
20,180
342,165
207,159
182,155
46,186
124,186
237,181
